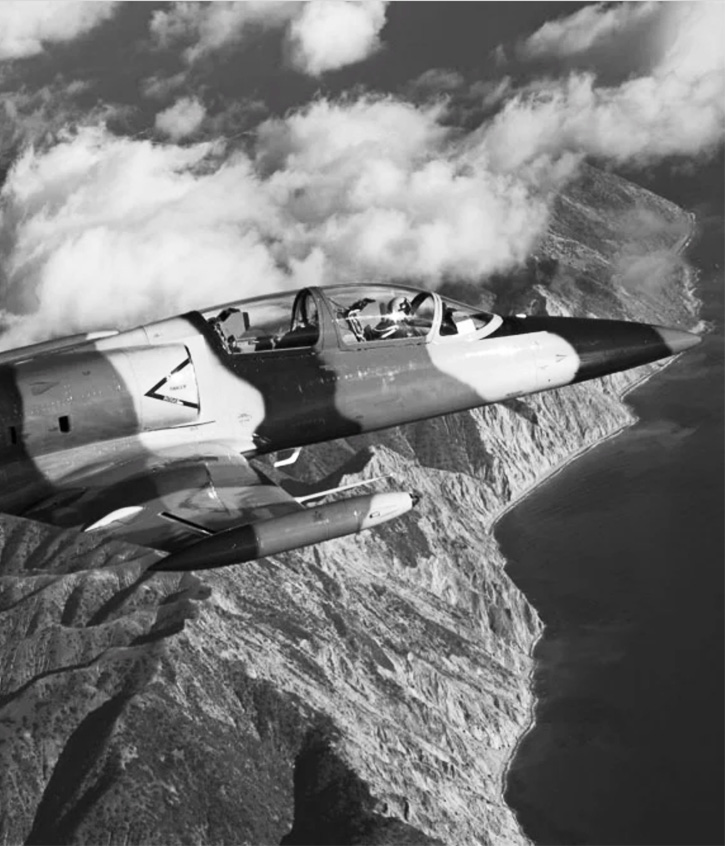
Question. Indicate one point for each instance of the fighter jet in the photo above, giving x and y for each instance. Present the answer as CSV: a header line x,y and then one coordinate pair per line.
x,y
149,434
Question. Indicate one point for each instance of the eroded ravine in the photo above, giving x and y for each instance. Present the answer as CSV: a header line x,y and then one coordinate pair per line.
x,y
383,677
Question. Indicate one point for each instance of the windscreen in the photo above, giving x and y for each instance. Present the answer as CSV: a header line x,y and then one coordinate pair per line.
x,y
461,319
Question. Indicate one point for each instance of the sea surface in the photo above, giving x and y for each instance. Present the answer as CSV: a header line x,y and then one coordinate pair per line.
x,y
622,554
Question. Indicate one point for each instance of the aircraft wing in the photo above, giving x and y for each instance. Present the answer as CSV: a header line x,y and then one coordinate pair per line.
x,y
168,502
48,347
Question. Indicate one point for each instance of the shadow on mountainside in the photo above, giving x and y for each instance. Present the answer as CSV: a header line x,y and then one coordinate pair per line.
x,y
332,805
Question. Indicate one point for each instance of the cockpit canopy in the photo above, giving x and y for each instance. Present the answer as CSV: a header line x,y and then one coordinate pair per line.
x,y
367,313
348,316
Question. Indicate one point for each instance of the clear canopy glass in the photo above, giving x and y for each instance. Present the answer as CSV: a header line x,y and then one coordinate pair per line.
x,y
365,313
460,319
362,314
268,323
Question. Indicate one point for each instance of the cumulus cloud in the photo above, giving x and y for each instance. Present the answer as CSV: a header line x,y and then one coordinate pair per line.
x,y
381,188
181,119
205,27
100,231
490,93
36,115
434,84
330,34
320,35
161,87
677,108
105,231
645,261
26,25
591,25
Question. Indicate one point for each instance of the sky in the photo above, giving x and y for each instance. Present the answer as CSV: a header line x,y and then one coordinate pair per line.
x,y
158,157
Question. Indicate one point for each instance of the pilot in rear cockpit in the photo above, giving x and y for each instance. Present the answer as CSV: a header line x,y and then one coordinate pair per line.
x,y
305,330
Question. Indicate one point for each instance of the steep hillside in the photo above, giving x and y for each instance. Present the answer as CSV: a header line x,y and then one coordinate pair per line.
x,y
370,690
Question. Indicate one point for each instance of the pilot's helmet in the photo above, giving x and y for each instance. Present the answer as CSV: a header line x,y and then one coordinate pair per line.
x,y
399,306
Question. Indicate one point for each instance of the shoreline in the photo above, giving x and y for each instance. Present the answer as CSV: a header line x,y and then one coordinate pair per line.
x,y
690,291
530,723
574,456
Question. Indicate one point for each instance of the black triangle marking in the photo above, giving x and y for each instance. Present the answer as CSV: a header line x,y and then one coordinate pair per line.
x,y
175,400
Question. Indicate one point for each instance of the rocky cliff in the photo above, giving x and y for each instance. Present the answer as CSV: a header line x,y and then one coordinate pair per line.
x,y
369,690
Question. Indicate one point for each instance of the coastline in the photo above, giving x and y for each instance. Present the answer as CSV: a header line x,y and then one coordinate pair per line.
x,y
530,723
689,288
690,291
584,449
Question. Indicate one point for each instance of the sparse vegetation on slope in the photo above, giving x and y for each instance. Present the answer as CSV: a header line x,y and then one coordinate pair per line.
x,y
369,690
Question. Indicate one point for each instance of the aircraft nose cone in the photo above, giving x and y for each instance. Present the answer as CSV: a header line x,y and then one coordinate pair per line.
x,y
607,346
677,340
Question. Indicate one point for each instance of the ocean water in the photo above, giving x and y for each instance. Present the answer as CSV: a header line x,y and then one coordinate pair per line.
x,y
622,554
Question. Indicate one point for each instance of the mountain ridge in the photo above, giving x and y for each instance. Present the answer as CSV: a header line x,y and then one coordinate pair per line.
x,y
369,690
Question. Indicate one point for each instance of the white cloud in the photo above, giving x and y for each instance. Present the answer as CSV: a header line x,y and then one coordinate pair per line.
x,y
383,191
321,35
26,25
181,119
580,31
161,87
104,231
330,34
436,82
491,93
693,42
205,27
677,108
328,135
36,114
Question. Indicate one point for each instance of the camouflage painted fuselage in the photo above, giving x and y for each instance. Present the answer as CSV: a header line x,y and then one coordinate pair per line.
x,y
98,414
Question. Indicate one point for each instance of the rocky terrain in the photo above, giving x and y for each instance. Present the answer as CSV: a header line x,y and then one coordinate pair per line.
x,y
370,690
